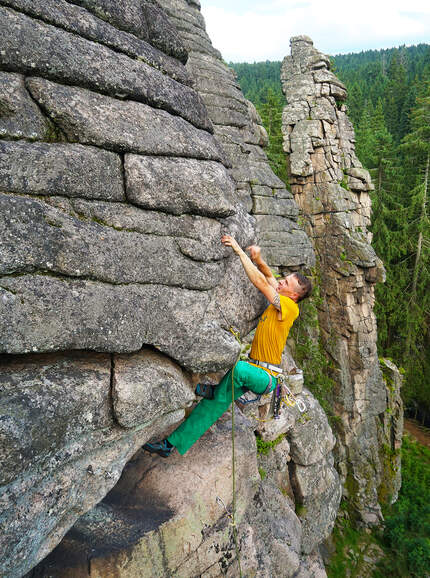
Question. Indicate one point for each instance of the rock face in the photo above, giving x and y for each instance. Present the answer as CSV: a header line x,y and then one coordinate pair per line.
x,y
171,517
238,128
332,190
120,168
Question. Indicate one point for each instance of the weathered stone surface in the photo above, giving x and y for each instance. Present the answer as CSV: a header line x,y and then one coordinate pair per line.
x,y
238,130
60,169
275,206
180,528
179,185
322,163
61,449
319,491
49,419
190,24
32,47
311,566
311,439
146,385
123,126
40,238
129,255
55,314
197,237
143,18
393,430
79,21
19,115
283,242
277,533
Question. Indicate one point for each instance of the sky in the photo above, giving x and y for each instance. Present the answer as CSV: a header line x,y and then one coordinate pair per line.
x,y
257,30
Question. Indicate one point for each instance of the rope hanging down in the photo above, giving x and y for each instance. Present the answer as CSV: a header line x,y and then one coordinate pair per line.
x,y
233,470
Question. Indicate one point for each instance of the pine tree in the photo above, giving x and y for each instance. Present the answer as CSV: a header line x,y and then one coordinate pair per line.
x,y
395,96
416,146
364,137
271,114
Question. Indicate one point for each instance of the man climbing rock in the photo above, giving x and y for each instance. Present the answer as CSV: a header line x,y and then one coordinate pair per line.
x,y
259,373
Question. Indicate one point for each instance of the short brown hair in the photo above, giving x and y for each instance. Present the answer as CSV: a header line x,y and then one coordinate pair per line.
x,y
305,286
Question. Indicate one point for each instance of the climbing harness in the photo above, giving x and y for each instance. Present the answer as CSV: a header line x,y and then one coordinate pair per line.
x,y
289,399
244,400
265,365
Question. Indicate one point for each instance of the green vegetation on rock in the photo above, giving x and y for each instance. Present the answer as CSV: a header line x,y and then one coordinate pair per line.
x,y
402,547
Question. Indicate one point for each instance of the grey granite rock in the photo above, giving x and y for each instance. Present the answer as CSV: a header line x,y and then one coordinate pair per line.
x,y
323,163
277,533
44,399
311,439
129,252
75,19
197,237
168,517
65,456
122,126
319,491
147,385
41,313
40,238
274,206
19,115
143,18
32,47
240,132
311,566
60,169
179,186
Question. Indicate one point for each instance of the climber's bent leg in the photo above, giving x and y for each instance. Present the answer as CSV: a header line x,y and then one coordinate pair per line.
x,y
206,412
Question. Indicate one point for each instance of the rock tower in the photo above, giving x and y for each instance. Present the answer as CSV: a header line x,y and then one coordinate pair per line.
x,y
332,190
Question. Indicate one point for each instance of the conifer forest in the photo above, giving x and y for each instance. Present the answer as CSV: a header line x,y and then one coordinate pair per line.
x,y
389,105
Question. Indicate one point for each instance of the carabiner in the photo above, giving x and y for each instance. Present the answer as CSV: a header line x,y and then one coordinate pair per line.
x,y
301,405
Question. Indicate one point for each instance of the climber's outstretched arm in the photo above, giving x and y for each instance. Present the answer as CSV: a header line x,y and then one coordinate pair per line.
x,y
256,277
257,259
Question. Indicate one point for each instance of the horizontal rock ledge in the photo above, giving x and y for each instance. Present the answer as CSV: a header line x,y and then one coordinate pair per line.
x,y
179,185
197,237
39,313
143,18
71,170
122,126
30,46
37,237
79,21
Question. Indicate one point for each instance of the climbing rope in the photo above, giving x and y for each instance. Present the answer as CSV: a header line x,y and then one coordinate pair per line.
x,y
233,471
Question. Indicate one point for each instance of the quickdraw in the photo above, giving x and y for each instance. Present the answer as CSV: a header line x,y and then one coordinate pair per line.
x,y
289,399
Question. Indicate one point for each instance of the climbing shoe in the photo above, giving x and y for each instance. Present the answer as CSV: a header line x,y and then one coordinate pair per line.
x,y
162,448
205,390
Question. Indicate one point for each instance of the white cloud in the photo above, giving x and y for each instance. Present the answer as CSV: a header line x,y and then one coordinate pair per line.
x,y
261,30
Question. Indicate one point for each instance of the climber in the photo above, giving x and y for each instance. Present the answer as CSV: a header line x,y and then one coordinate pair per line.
x,y
259,373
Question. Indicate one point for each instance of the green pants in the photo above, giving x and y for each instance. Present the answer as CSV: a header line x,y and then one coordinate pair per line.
x,y
245,377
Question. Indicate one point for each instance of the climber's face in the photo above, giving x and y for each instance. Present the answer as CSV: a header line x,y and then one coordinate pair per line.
x,y
289,287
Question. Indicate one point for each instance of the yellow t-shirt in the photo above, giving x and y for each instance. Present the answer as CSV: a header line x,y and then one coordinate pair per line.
x,y
271,334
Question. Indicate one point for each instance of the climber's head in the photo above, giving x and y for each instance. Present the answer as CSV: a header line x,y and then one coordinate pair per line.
x,y
295,286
